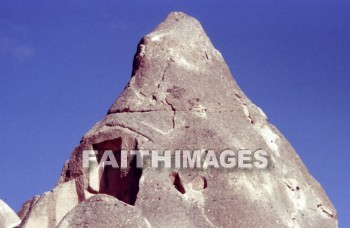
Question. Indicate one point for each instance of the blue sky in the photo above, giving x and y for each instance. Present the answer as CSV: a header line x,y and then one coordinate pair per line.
x,y
62,64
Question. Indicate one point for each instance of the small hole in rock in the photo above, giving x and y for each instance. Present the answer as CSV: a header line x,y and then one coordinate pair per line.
x,y
205,183
177,182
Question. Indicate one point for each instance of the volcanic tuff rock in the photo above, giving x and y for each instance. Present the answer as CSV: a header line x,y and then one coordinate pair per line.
x,y
182,96
8,217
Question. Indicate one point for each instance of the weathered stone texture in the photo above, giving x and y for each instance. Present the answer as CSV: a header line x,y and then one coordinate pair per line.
x,y
182,96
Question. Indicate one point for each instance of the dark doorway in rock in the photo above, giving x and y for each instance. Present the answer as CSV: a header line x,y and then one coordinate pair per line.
x,y
122,183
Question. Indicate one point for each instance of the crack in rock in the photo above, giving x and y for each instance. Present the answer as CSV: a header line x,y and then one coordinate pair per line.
x,y
163,75
130,129
326,210
173,109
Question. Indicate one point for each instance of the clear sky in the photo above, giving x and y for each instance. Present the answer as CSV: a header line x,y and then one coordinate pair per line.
x,y
62,64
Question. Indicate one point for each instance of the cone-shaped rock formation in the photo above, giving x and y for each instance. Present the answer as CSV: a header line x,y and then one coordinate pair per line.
x,y
182,96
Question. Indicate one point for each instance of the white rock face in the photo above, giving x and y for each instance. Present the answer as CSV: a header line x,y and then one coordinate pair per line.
x,y
52,206
8,218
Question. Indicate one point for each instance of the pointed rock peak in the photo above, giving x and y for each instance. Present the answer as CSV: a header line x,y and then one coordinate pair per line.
x,y
176,67
179,24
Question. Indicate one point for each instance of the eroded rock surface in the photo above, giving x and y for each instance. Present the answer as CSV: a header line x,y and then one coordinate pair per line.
x,y
49,209
182,96
102,211
8,218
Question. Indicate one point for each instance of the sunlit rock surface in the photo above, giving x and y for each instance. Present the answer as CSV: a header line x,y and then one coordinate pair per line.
x,y
8,218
